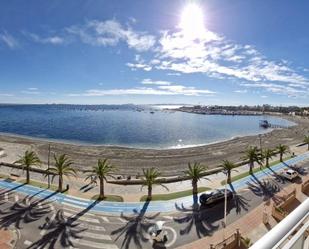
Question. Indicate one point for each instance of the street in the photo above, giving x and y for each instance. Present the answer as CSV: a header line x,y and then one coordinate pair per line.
x,y
44,223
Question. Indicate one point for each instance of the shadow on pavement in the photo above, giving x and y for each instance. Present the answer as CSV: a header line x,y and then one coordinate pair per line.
x,y
240,203
136,227
199,218
265,188
62,229
24,211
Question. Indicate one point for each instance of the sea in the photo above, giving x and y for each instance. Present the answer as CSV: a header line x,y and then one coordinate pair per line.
x,y
147,127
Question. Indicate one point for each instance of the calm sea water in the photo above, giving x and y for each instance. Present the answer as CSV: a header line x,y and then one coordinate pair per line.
x,y
128,126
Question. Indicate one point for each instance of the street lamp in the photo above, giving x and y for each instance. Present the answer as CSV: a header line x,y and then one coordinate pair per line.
x,y
225,203
48,162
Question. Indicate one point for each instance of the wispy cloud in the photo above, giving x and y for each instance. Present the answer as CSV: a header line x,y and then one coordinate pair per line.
x,y
54,40
241,91
110,33
218,57
31,91
155,82
159,90
8,40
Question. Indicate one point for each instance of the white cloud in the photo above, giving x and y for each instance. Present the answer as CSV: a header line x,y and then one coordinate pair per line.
x,y
217,57
9,40
6,95
159,90
31,91
155,82
110,33
241,91
55,40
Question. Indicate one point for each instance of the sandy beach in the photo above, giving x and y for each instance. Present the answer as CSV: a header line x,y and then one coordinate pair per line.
x,y
170,162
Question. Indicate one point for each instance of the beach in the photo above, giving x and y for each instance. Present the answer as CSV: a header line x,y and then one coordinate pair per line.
x,y
170,162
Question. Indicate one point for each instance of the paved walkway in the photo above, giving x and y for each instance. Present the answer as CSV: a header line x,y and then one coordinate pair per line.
x,y
6,236
129,207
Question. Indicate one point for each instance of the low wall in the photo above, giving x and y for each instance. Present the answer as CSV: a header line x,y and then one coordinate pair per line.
x,y
15,166
279,210
305,187
232,242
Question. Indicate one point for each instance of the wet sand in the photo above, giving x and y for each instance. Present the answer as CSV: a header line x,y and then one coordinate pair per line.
x,y
170,161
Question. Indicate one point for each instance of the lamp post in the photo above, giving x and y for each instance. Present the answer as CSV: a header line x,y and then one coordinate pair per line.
x,y
225,204
48,162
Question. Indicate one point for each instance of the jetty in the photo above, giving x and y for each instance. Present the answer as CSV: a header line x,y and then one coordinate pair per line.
x,y
266,124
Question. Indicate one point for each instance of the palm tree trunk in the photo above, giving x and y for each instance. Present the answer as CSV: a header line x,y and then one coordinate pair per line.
x,y
149,192
251,165
194,187
267,162
101,189
229,177
281,157
308,146
28,175
60,183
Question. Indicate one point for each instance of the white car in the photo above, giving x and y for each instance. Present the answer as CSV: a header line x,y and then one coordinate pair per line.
x,y
289,174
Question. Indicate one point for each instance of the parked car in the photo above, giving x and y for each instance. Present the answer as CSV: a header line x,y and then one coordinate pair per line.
x,y
214,196
289,174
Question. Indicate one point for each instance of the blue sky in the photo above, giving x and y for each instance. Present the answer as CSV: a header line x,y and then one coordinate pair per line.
x,y
137,51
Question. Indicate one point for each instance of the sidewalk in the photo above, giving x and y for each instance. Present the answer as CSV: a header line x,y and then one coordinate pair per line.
x,y
7,239
115,208
250,225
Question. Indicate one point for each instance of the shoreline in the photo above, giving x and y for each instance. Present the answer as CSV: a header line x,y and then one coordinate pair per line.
x,y
171,162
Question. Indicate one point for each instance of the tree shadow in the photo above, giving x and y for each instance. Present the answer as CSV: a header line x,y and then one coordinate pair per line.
x,y
24,211
240,202
135,228
11,189
62,229
279,178
198,216
264,188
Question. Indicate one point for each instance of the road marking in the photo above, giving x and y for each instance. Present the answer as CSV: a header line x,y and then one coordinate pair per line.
x,y
96,236
51,207
28,243
94,244
40,205
92,227
81,218
122,220
16,198
105,219
6,196
74,212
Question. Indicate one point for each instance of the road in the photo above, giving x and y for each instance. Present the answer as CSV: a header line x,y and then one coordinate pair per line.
x,y
47,223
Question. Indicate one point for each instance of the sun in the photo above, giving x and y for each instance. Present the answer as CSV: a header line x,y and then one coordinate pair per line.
x,y
192,21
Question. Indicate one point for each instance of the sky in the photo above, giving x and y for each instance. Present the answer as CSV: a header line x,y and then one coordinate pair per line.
x,y
211,52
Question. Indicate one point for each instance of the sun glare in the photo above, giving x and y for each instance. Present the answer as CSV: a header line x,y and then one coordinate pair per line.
x,y
192,21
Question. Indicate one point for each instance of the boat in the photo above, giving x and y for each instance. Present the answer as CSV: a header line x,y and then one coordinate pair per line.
x,y
264,123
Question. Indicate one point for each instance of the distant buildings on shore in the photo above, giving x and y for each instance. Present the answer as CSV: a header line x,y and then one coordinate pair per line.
x,y
245,110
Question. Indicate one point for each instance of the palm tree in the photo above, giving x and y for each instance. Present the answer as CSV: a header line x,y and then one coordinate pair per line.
x,y
306,140
252,155
100,172
26,161
268,154
195,172
61,168
282,149
228,167
150,177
